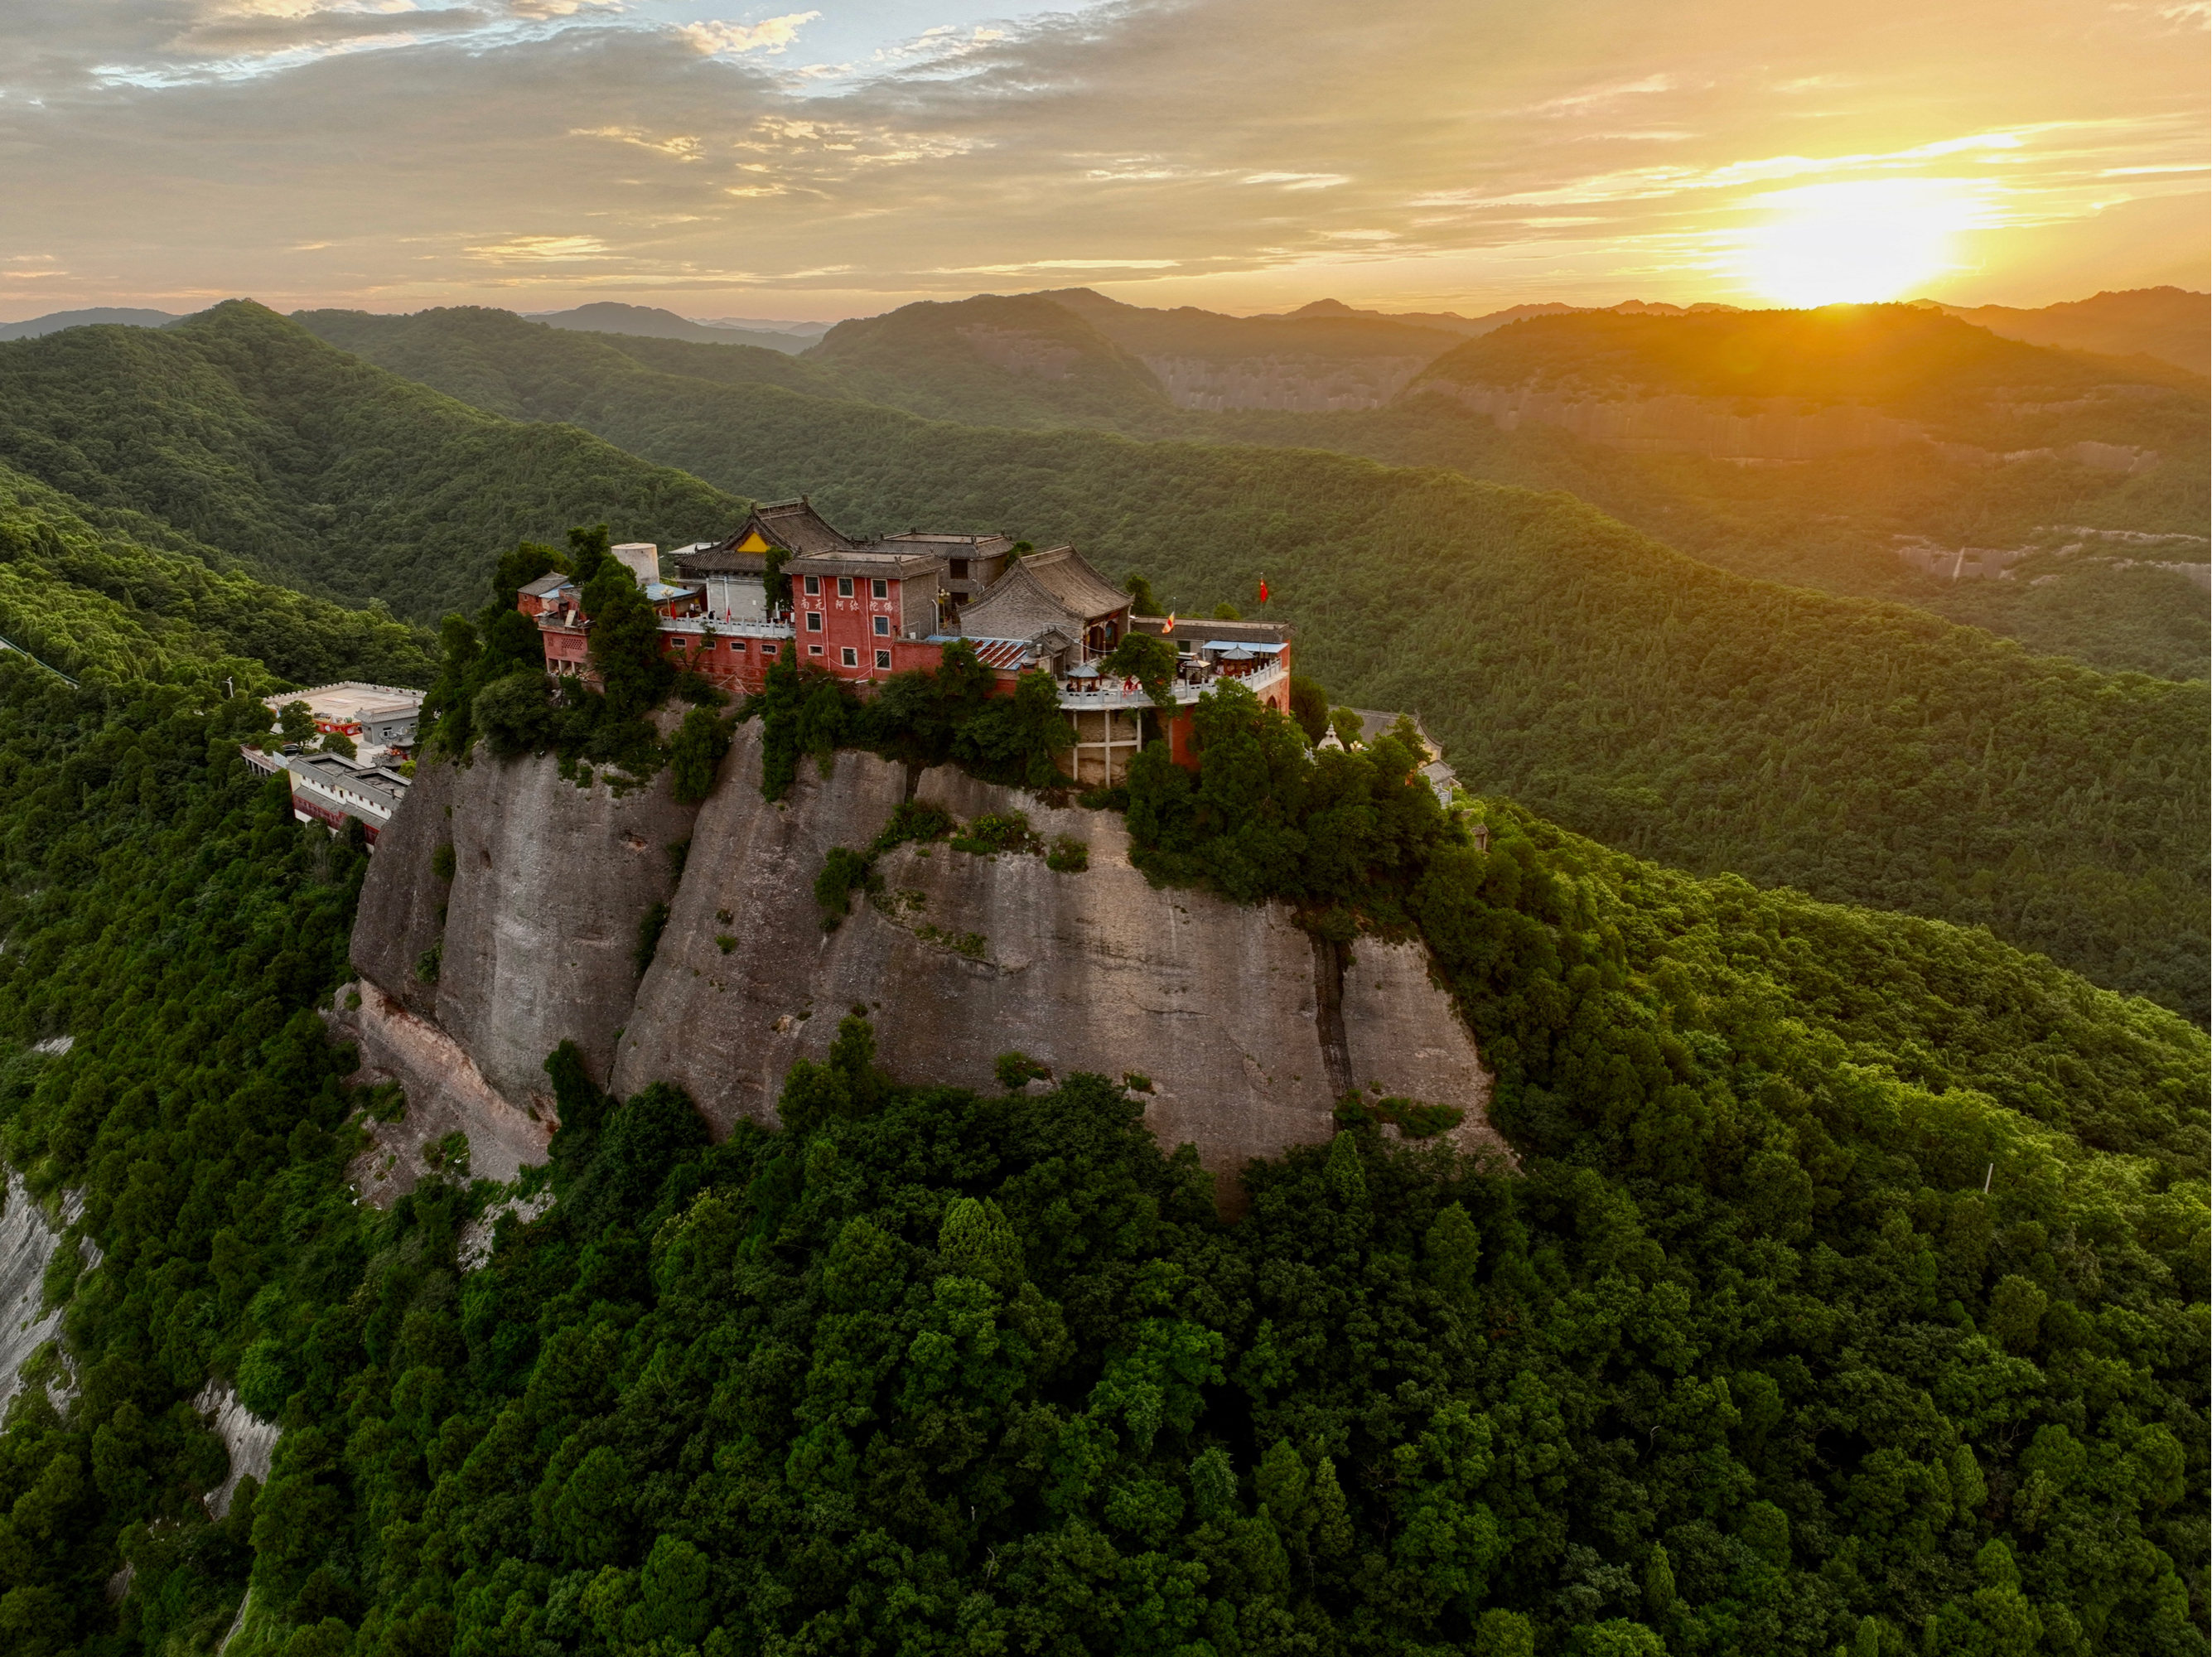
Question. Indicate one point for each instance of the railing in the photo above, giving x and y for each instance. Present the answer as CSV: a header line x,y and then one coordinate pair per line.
x,y
1114,693
769,629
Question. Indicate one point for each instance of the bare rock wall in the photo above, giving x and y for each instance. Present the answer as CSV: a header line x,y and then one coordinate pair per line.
x,y
1247,1031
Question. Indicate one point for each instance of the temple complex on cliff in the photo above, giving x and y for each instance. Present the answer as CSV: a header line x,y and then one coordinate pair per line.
x,y
789,586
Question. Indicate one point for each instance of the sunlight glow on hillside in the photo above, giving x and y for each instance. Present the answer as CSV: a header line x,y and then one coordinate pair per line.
x,y
1841,243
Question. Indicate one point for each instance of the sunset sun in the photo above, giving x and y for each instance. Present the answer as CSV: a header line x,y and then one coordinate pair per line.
x,y
1854,243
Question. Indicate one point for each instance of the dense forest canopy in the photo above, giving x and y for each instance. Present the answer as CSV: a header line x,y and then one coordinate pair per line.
x,y
1864,752
1848,1293
95,604
315,469
1836,524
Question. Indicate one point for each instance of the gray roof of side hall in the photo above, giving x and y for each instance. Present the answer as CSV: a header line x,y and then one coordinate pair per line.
x,y
1062,591
332,772
968,546
546,584
1069,577
892,565
720,561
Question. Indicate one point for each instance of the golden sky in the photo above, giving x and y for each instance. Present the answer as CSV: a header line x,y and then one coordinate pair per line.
x,y
1242,154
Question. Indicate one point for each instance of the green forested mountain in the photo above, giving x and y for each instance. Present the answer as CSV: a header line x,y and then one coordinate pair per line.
x,y
2171,324
1865,752
99,606
1848,1295
652,322
994,361
1900,358
1835,524
1312,335
313,469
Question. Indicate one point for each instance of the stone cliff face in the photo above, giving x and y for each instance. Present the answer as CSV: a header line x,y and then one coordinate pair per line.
x,y
531,942
27,1245
1247,1030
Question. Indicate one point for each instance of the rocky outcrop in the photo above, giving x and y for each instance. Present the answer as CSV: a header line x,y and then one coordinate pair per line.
x,y
251,1441
27,1245
445,1094
1244,1031
533,940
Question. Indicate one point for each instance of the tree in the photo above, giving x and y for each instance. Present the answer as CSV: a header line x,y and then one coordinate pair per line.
x,y
694,755
625,642
1225,611
977,1241
337,742
297,721
1309,707
1142,600
521,565
1019,738
589,551
1149,659
514,716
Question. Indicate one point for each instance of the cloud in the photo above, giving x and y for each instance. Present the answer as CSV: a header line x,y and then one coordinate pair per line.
x,y
772,36
540,250
1579,103
681,147
1176,147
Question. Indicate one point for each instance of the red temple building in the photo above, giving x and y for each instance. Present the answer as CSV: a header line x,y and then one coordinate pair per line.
x,y
788,585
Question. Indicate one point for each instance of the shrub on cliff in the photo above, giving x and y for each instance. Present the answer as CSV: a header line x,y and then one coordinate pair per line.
x,y
921,718
694,755
1017,739
514,715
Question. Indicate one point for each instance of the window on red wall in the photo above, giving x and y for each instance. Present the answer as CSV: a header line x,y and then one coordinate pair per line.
x,y
813,587
814,620
880,589
844,587
883,626
850,657
883,659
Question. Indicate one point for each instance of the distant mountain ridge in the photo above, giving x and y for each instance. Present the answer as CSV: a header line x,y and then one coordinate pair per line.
x,y
1773,386
2171,324
611,317
1474,327
54,322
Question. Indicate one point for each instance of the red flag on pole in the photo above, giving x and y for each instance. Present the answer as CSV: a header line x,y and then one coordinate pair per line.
x,y
1263,589
1169,628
